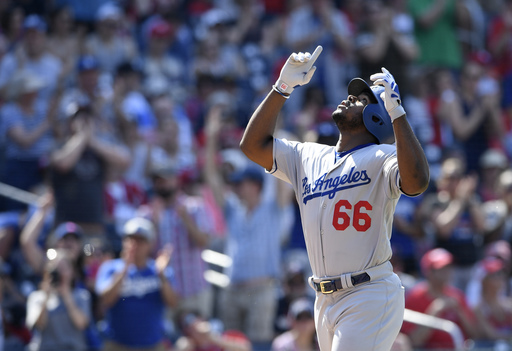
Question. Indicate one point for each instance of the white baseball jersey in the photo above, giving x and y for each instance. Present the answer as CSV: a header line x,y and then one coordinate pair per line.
x,y
346,203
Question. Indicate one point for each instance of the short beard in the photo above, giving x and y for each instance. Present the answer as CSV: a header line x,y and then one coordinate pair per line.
x,y
165,194
344,123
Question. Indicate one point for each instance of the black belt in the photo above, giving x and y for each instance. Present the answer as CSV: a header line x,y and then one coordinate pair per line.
x,y
330,286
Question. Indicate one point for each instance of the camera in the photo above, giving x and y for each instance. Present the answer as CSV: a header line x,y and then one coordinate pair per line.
x,y
55,277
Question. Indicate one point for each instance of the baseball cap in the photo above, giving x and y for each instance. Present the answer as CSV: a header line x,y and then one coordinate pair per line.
x,y
66,228
140,226
492,265
493,158
499,249
108,11
127,67
25,82
34,22
252,173
161,29
87,63
358,86
301,307
163,170
435,259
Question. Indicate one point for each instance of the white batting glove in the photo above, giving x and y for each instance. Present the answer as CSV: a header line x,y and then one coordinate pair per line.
x,y
391,94
298,70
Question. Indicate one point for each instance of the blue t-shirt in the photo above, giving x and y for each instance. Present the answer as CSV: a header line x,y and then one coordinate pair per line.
x,y
137,318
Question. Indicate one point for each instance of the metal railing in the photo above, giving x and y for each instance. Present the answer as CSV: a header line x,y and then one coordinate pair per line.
x,y
447,326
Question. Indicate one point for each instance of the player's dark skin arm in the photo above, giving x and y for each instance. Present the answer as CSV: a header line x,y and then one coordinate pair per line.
x,y
258,139
412,163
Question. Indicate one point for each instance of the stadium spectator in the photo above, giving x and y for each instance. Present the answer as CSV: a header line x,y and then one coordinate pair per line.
x,y
33,56
498,33
35,240
505,189
12,25
491,164
386,39
302,335
134,105
78,168
175,135
63,41
293,287
59,312
134,290
27,124
159,61
310,23
86,91
494,312
182,222
454,215
254,224
200,334
437,297
110,43
473,114
435,27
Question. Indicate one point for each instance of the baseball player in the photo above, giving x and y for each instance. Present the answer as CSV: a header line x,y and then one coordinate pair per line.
x,y
347,195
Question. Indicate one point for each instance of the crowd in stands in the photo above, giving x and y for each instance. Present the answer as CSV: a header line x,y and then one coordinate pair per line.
x,y
124,119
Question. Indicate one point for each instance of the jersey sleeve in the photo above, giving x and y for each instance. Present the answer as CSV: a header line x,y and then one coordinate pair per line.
x,y
391,173
286,158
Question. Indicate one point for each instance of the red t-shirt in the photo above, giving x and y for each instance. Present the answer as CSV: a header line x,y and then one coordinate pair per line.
x,y
497,29
418,299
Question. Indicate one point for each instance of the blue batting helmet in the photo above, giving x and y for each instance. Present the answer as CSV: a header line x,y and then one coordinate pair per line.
x,y
375,117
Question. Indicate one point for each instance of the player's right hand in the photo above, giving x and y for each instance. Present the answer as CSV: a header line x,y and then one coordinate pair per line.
x,y
391,94
298,70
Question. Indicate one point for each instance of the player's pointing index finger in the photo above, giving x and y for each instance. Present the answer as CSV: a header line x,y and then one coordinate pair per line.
x,y
315,55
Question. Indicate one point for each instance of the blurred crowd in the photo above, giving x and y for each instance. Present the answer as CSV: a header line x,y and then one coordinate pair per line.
x,y
122,177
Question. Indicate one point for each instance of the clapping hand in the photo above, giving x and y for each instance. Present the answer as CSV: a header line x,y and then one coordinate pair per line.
x,y
163,259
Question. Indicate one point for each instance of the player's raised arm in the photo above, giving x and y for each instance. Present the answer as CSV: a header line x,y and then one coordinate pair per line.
x,y
412,163
258,139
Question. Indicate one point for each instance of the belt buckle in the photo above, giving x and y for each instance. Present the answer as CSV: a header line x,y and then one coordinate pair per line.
x,y
323,289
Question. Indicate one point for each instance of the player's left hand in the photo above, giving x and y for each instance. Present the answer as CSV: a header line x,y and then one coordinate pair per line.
x,y
391,94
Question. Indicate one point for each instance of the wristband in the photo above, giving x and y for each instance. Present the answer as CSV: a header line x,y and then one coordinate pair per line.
x,y
280,93
397,112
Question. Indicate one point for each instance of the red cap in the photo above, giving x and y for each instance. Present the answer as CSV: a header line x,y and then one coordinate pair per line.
x,y
436,259
161,29
492,265
500,249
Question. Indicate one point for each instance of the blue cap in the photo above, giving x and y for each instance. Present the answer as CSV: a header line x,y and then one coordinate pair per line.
x,y
34,22
66,228
252,173
87,63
